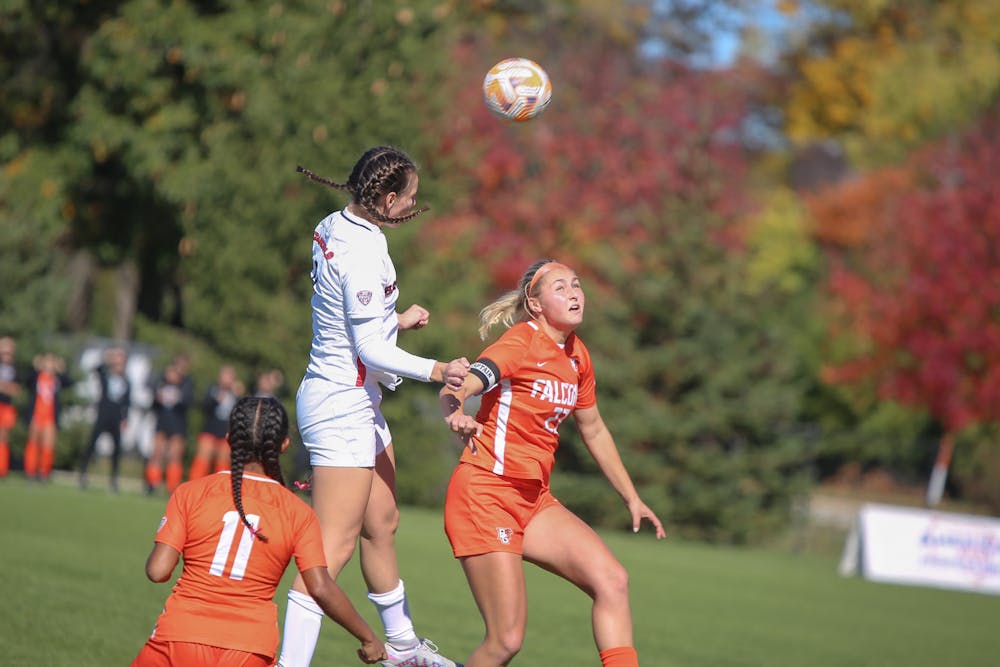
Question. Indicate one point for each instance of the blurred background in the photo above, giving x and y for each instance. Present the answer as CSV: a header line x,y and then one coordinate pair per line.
x,y
784,214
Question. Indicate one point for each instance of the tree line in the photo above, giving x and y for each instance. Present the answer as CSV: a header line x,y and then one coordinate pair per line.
x,y
791,259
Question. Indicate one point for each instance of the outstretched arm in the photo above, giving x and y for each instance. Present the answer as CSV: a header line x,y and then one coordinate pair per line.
x,y
452,402
376,352
601,445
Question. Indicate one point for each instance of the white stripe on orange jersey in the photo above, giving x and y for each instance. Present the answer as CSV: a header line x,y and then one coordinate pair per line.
x,y
503,414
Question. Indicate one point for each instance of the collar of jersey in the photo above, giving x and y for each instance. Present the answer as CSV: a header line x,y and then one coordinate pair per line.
x,y
360,222
250,476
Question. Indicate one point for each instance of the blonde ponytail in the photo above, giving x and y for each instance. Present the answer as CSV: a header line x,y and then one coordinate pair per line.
x,y
512,307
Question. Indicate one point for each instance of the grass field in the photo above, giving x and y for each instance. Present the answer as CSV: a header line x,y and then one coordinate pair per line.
x,y
71,572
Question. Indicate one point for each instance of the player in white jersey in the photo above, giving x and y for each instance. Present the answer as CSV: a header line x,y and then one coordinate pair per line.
x,y
338,403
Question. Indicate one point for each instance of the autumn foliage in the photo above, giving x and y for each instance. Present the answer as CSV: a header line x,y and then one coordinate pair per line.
x,y
923,291
614,144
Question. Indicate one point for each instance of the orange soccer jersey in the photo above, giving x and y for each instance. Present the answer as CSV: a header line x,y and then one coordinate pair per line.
x,y
225,594
45,399
532,385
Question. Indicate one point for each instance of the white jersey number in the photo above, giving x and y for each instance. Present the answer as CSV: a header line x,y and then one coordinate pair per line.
x,y
230,521
558,415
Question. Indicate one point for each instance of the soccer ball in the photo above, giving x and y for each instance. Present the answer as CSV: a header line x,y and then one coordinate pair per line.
x,y
517,89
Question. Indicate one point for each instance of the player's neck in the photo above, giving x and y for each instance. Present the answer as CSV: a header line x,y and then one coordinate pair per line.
x,y
254,468
356,210
557,335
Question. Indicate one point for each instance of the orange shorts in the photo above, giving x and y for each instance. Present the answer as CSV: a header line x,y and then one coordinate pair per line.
x,y
186,654
8,416
485,512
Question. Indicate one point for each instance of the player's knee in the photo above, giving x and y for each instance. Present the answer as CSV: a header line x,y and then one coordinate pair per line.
x,y
381,524
337,555
506,644
612,581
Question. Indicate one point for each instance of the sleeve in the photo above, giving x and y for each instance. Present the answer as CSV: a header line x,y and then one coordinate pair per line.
x,y
500,360
364,296
209,401
378,353
157,384
309,542
173,525
187,392
126,400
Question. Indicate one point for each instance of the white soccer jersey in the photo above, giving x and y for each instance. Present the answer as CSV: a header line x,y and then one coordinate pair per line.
x,y
353,277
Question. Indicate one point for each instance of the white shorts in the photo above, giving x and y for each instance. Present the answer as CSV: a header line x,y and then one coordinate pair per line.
x,y
341,427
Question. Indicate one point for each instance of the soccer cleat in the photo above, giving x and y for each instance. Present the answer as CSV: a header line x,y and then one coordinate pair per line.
x,y
425,654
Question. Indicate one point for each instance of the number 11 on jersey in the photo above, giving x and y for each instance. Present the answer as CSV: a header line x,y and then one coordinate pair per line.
x,y
230,521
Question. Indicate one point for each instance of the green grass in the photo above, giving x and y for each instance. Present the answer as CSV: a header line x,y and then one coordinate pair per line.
x,y
74,594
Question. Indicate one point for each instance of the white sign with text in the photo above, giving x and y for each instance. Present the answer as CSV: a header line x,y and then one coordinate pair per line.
x,y
904,545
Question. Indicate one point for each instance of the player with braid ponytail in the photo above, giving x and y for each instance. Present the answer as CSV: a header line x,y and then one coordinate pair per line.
x,y
221,610
354,350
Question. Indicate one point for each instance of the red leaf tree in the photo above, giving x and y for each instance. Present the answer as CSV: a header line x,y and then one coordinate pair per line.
x,y
923,291
620,137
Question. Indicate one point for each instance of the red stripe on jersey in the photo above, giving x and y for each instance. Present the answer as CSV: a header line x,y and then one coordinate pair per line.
x,y
362,373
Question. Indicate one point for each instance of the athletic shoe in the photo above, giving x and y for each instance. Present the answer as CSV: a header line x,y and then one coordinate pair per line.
x,y
425,654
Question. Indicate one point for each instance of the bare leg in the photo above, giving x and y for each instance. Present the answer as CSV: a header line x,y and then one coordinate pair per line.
x,y
339,497
379,565
497,584
560,542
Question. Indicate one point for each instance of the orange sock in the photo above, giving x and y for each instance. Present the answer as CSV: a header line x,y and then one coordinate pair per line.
x,y
175,473
31,459
47,458
4,459
199,468
620,656
154,474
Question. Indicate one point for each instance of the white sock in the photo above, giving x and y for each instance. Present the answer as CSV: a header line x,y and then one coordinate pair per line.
x,y
395,613
303,618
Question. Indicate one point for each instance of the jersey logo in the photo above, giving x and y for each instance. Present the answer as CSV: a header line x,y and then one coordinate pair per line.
x,y
389,289
541,363
318,240
503,534
573,362
163,522
365,297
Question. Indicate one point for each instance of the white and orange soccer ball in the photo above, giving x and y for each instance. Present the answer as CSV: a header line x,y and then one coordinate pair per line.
x,y
517,89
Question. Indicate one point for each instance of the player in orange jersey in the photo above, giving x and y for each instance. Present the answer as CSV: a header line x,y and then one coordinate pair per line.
x,y
44,383
499,510
238,530
9,389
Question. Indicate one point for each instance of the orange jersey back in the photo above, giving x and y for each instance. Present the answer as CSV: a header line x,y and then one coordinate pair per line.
x,y
45,397
532,385
225,594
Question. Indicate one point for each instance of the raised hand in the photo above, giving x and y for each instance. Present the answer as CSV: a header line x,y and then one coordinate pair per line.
x,y
414,317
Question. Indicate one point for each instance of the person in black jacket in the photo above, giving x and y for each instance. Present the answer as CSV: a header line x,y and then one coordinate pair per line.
x,y
173,395
112,411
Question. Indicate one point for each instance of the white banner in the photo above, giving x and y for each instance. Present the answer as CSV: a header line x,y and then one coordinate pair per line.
x,y
905,545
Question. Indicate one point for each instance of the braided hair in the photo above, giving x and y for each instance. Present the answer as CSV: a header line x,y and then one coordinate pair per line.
x,y
258,427
378,172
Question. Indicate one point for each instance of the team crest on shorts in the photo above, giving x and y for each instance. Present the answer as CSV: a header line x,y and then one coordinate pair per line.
x,y
503,534
365,297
